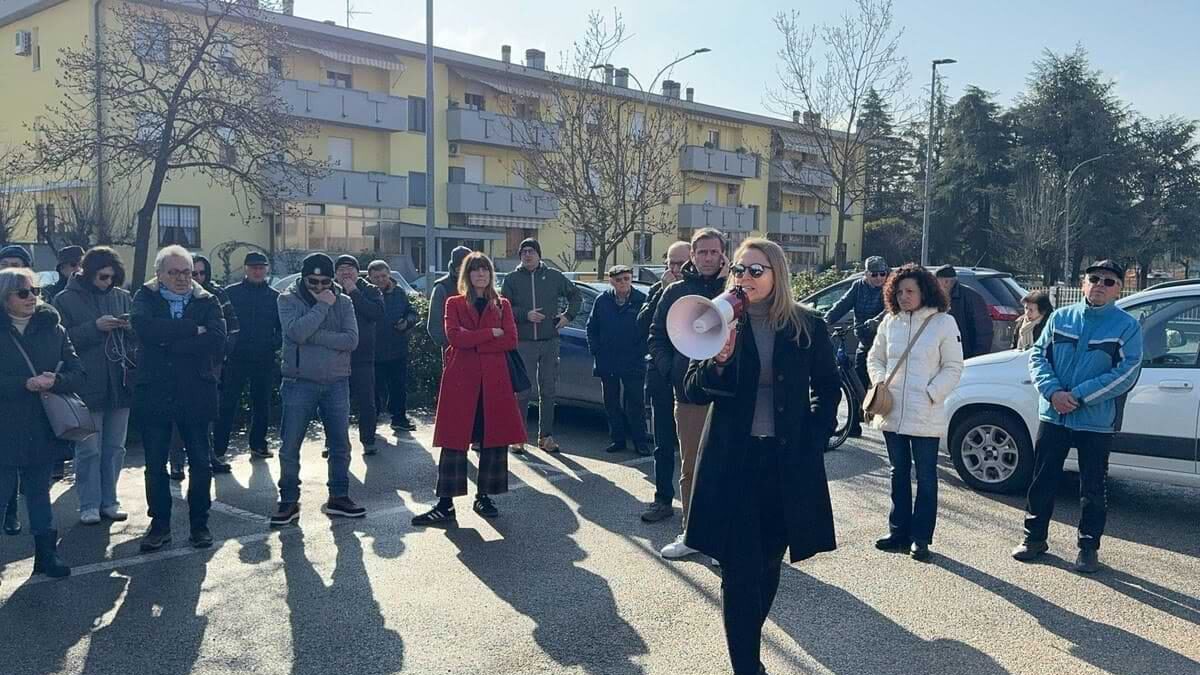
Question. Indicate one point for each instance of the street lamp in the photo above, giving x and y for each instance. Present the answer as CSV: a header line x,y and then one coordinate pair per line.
x,y
430,204
929,158
641,258
1067,210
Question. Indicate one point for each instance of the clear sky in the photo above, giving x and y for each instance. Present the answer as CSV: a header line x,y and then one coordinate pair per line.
x,y
1151,48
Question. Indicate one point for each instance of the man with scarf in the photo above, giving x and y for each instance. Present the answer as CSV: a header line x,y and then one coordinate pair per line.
x,y
319,335
182,334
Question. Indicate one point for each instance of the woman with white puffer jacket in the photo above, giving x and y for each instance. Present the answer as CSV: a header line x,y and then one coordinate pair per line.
x,y
919,384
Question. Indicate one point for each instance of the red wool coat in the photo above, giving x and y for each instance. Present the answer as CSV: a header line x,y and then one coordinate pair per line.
x,y
476,359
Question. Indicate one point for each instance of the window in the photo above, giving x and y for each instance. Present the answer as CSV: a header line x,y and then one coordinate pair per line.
x,y
517,179
179,225
340,80
458,174
341,153
473,164
416,114
587,301
36,49
714,139
475,101
637,124
416,188
275,65
584,249
643,245
152,43
149,127
1170,333
228,152
44,214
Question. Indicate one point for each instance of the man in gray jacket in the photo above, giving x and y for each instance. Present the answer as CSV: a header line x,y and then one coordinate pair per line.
x,y
536,292
319,334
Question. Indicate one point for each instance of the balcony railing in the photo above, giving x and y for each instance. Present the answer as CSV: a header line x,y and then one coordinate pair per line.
x,y
719,162
498,200
465,125
784,171
357,188
788,222
724,218
352,107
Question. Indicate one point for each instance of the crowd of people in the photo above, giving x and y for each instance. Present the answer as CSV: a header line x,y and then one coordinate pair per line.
x,y
178,354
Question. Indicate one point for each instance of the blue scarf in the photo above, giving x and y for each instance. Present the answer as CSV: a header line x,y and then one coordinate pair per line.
x,y
178,302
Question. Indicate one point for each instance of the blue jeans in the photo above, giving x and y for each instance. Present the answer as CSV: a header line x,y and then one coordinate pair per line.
x,y
99,459
908,520
302,400
35,485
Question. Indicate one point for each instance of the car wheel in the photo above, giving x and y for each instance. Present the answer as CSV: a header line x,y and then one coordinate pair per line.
x,y
992,451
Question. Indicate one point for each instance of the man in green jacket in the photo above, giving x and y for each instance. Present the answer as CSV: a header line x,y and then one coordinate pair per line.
x,y
536,293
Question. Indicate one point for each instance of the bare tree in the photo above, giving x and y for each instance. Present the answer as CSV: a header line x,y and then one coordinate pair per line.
x,y
609,155
1032,222
79,220
183,89
827,72
13,199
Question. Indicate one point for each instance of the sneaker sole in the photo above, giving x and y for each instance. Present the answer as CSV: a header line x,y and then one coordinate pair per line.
x,y
674,556
437,523
202,544
280,523
345,514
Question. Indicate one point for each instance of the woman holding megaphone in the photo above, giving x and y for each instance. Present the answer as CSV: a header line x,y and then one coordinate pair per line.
x,y
760,485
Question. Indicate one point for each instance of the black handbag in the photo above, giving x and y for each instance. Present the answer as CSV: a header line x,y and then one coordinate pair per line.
x,y
517,372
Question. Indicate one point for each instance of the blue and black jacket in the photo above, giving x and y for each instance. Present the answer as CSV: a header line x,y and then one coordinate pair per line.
x,y
1095,353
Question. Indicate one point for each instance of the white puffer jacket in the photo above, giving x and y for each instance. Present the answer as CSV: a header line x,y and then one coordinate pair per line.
x,y
928,375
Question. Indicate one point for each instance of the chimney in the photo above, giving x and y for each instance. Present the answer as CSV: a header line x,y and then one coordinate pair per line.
x,y
608,74
289,7
506,53
622,78
796,116
691,94
812,119
670,89
535,58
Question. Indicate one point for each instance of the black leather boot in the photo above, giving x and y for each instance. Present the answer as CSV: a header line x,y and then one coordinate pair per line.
x,y
12,519
45,557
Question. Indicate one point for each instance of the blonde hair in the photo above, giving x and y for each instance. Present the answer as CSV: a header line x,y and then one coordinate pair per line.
x,y
13,279
784,310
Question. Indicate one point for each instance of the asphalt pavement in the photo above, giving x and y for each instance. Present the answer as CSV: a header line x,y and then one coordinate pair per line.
x,y
568,580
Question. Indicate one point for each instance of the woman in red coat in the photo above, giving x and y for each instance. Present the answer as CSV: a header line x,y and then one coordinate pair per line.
x,y
476,403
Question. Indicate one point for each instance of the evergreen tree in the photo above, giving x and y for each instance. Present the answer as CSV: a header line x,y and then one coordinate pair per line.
x,y
889,160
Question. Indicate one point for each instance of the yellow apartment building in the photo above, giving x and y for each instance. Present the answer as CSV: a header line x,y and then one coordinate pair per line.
x,y
366,94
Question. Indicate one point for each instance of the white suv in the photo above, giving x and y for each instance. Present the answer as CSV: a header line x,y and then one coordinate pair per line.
x,y
993,411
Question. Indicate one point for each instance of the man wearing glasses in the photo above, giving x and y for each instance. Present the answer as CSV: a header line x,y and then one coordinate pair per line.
x,y
1083,365
319,334
865,297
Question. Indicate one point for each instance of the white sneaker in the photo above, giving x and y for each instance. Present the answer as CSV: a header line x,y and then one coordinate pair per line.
x,y
676,549
114,513
90,516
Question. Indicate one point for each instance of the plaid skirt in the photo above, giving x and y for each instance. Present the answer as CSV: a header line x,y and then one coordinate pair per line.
x,y
453,467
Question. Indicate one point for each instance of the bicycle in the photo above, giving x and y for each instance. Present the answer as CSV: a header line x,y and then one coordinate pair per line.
x,y
849,412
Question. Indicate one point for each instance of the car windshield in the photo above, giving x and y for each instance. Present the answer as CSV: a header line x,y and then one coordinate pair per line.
x,y
1003,289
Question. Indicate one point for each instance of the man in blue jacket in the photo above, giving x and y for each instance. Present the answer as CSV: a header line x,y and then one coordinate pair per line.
x,y
865,297
1083,365
620,352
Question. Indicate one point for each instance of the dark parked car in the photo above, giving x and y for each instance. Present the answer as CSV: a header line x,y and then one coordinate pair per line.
x,y
1000,291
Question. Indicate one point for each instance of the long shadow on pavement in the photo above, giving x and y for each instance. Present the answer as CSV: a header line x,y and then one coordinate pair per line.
x,y
1107,648
576,616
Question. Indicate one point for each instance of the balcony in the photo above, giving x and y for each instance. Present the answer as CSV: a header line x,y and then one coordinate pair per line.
x,y
784,171
465,125
724,218
497,200
357,188
788,222
351,107
718,162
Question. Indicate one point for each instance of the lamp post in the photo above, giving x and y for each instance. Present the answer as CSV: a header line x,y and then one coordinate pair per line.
x,y
430,181
929,158
1067,210
646,104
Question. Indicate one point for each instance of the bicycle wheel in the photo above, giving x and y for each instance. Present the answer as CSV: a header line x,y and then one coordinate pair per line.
x,y
847,414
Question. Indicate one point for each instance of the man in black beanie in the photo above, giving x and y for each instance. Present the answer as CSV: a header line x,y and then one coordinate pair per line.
x,y
368,310
443,288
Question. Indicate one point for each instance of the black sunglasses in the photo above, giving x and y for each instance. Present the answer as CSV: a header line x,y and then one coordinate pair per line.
x,y
878,274
756,270
24,293
104,277
1107,281
312,281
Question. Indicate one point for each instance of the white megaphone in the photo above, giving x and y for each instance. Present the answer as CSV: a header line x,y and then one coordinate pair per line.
x,y
699,327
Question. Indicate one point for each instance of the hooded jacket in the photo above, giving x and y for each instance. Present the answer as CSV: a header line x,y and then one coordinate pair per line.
x,y
317,338
444,288
670,363
541,289
232,327
106,385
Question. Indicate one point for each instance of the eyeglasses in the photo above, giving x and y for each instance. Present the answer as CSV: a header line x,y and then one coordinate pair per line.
x,y
756,270
178,273
878,274
24,293
316,282
104,277
1107,281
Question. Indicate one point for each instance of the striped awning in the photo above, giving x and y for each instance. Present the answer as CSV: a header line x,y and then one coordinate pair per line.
x,y
351,55
505,222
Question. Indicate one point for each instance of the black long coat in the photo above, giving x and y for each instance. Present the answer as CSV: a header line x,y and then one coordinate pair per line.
x,y
178,368
807,391
28,438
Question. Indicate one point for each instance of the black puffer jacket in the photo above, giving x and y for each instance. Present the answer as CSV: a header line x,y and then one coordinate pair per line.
x,y
368,310
28,439
671,364
178,367
255,305
79,305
